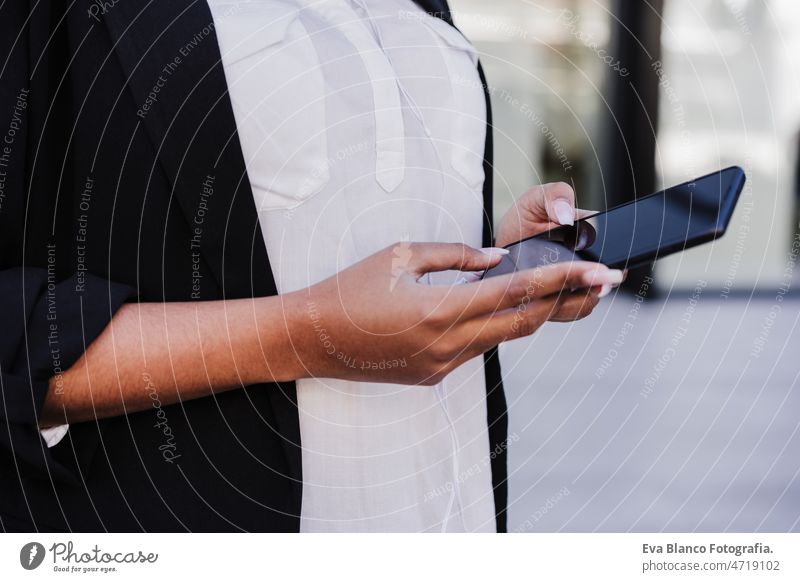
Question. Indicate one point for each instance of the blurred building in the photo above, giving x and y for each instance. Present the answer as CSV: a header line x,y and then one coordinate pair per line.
x,y
728,79
676,413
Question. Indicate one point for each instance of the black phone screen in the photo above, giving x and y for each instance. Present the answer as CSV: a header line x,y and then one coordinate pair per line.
x,y
641,231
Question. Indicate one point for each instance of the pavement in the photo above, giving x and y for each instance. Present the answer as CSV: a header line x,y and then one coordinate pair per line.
x,y
676,414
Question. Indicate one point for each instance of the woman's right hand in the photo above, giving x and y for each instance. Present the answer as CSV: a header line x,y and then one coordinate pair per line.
x,y
375,321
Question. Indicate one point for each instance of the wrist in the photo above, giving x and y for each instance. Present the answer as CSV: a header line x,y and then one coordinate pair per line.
x,y
283,337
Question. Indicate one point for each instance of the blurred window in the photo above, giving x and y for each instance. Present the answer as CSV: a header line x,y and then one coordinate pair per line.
x,y
729,83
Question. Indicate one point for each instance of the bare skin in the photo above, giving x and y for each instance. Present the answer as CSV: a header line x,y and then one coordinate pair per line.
x,y
541,208
374,321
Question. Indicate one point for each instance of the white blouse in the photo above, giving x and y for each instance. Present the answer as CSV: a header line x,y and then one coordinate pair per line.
x,y
362,123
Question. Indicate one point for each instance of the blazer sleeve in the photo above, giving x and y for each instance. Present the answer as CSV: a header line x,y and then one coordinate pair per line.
x,y
48,326
47,317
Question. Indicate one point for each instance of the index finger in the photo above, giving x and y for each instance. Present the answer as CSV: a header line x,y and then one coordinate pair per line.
x,y
498,293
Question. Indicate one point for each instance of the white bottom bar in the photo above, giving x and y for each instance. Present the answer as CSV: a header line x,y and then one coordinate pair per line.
x,y
549,557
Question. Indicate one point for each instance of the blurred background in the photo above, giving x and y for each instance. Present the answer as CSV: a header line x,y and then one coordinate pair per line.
x,y
676,406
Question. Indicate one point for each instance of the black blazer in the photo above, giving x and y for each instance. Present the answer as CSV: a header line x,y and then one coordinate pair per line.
x,y
101,177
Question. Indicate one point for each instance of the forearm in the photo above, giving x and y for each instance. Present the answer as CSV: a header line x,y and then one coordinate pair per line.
x,y
174,352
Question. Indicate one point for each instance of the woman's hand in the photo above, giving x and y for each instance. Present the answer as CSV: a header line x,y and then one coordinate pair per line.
x,y
376,321
373,321
539,209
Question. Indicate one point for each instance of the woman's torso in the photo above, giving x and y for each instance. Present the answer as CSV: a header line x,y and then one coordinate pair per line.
x,y
369,131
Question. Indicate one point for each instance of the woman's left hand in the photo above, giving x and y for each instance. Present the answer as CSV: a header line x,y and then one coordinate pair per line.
x,y
539,209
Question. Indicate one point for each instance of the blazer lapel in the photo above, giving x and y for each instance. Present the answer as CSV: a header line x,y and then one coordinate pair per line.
x,y
169,51
437,8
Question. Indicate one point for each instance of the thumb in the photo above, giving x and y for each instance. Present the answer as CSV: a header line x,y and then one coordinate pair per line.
x,y
561,211
431,257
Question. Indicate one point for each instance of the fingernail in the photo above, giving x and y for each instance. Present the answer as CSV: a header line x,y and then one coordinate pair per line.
x,y
583,238
602,276
564,212
469,278
604,290
494,251
472,277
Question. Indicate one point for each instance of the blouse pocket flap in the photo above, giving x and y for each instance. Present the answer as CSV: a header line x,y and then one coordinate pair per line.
x,y
452,37
258,25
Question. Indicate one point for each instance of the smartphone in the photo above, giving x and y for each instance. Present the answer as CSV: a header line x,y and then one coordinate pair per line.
x,y
637,232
